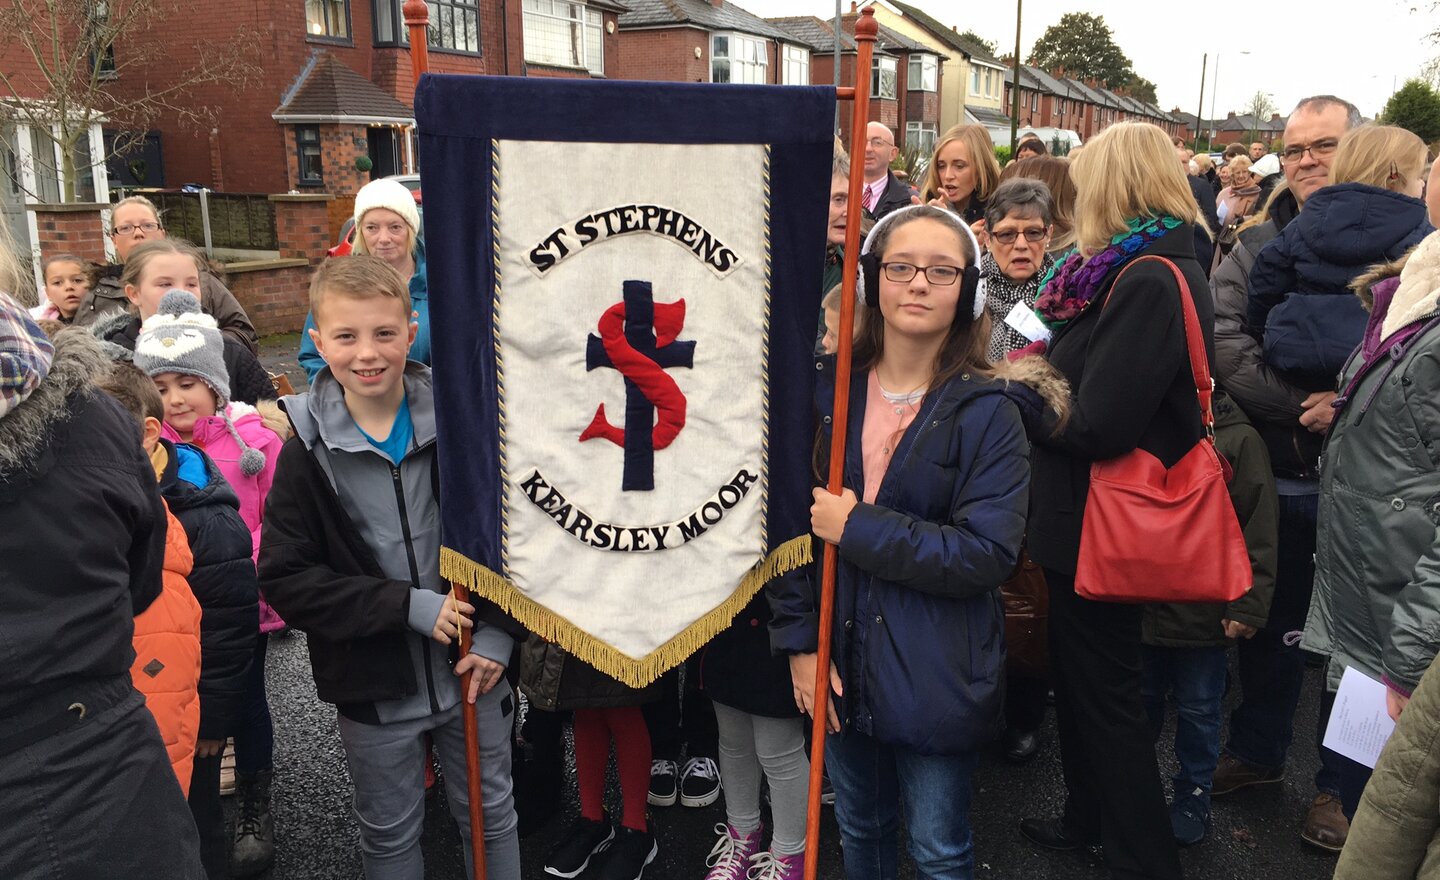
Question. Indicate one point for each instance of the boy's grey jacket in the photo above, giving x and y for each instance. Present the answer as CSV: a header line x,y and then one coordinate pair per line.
x,y
395,513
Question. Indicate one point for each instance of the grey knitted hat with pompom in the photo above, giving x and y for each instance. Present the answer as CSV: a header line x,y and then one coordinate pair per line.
x,y
180,338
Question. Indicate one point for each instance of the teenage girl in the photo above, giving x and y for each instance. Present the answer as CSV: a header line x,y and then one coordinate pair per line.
x,y
928,526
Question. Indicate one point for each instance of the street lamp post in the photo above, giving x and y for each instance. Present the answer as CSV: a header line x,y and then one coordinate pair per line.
x,y
1200,110
1214,89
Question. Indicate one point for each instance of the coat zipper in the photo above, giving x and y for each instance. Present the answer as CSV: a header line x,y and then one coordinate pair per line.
x,y
414,579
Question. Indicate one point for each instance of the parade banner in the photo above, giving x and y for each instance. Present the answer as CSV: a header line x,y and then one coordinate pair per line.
x,y
624,294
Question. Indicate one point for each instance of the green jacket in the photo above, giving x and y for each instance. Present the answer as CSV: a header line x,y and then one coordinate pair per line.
x,y
1396,831
1376,604
1252,490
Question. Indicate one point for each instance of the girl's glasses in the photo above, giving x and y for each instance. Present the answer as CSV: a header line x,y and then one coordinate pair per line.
x,y
937,275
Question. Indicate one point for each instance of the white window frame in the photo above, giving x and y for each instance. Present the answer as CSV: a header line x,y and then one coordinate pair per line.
x,y
923,74
920,136
564,33
796,65
747,56
989,87
975,79
878,79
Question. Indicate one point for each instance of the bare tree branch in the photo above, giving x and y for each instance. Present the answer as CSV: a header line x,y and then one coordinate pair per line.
x,y
110,61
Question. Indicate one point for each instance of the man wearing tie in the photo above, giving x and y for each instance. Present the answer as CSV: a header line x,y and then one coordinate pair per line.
x,y
883,192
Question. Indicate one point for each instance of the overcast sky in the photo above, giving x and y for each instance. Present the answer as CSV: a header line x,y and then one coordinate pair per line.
x,y
1355,52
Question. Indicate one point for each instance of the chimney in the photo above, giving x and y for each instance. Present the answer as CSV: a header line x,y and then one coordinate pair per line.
x,y
1274,117
718,4
1230,114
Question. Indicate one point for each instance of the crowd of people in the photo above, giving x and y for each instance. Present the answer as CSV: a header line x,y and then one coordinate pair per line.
x,y
163,515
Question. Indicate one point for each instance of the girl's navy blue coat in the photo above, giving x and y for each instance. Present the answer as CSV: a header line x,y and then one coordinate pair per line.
x,y
918,635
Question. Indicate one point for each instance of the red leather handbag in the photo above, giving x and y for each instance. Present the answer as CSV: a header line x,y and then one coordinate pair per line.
x,y
1153,534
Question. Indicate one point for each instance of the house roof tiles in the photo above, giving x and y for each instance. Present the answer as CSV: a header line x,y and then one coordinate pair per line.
x,y
725,17
327,87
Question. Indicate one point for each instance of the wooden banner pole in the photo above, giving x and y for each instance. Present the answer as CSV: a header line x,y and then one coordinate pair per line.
x,y
472,751
865,30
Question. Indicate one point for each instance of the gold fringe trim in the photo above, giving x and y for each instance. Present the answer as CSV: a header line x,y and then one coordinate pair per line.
x,y
636,673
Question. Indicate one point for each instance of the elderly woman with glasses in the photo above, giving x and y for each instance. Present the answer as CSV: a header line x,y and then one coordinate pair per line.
x,y
134,221
1018,221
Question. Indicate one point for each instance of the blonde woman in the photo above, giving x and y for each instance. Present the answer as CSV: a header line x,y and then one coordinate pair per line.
x,y
134,221
1300,298
1132,200
962,173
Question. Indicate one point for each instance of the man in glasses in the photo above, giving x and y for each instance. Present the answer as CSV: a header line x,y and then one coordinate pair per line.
x,y
1292,422
883,191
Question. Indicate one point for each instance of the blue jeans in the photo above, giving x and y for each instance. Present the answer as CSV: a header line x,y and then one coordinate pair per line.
x,y
871,782
1196,677
1272,673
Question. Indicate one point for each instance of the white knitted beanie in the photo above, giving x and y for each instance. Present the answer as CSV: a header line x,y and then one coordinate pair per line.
x,y
391,194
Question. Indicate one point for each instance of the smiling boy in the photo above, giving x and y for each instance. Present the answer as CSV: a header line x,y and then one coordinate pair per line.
x,y
350,554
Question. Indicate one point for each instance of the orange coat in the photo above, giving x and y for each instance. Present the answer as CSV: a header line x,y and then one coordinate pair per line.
x,y
167,655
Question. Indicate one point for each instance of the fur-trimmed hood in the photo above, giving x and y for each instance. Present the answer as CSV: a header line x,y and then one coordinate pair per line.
x,y
26,431
1044,395
116,333
1404,291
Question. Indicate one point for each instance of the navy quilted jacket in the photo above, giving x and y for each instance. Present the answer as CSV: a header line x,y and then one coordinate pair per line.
x,y
224,583
918,635
1300,298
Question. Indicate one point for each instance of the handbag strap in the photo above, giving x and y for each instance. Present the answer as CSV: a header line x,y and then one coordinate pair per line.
x,y
1194,339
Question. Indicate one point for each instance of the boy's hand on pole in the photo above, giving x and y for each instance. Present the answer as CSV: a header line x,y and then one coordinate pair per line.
x,y
487,674
453,617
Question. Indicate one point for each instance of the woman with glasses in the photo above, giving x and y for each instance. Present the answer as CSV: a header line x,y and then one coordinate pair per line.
x,y
1018,220
1116,334
1054,172
136,220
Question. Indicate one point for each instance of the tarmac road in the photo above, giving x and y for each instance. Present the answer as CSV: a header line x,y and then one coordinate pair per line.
x,y
1255,834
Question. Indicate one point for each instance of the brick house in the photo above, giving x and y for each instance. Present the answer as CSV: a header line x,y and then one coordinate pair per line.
x,y
904,78
972,79
1244,129
337,83
708,41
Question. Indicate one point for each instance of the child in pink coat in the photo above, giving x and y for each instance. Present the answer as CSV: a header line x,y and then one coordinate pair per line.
x,y
182,351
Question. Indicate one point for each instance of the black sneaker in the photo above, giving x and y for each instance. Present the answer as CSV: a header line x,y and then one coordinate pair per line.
x,y
627,857
664,783
585,840
699,783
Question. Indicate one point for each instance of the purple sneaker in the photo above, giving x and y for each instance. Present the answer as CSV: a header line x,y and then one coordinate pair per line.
x,y
730,859
768,866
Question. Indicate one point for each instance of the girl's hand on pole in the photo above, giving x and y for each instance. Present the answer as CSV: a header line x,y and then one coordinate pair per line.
x,y
802,679
829,513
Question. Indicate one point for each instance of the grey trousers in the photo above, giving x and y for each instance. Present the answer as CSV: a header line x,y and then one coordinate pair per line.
x,y
387,767
749,745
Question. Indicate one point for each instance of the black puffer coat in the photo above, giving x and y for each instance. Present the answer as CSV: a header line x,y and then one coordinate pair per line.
x,y
223,581
82,534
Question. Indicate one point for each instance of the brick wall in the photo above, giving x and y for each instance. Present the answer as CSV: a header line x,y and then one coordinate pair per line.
x,y
70,229
275,293
667,55
276,297
340,146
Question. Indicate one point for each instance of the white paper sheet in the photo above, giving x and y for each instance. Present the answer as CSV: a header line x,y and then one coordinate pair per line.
x,y
1022,319
1360,724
